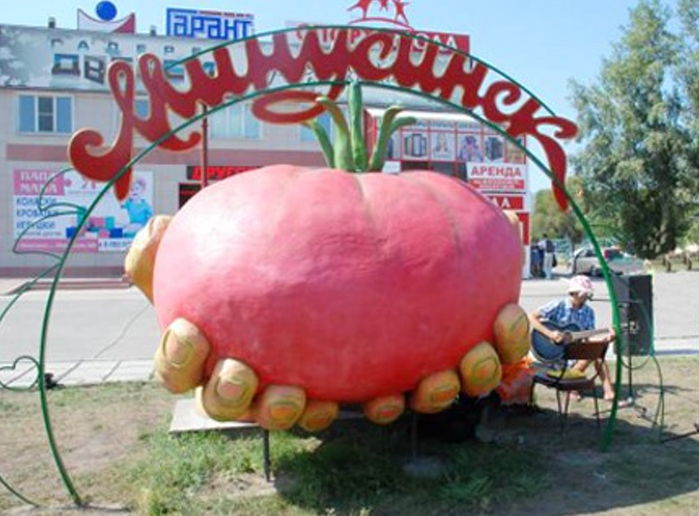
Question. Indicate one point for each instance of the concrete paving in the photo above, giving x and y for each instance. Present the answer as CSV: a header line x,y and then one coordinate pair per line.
x,y
675,302
103,332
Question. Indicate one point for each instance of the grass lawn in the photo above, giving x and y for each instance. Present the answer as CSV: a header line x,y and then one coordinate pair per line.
x,y
115,443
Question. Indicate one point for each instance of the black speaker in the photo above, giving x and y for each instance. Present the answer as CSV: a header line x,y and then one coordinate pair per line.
x,y
634,295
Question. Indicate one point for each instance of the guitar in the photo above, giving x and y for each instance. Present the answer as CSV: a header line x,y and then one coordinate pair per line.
x,y
549,351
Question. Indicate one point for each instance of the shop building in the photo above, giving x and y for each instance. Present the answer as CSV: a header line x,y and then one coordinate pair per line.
x,y
53,81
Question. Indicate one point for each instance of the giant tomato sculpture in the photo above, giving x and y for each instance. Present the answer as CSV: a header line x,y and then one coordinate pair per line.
x,y
286,291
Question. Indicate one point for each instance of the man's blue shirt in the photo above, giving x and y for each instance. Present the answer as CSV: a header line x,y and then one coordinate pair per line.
x,y
563,313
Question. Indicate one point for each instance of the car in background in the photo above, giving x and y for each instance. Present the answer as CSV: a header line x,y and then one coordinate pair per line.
x,y
584,261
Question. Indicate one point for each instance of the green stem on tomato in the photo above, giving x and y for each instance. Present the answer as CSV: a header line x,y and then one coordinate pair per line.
x,y
356,111
342,151
323,139
349,150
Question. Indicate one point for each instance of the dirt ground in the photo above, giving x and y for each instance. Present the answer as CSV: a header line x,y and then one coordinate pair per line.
x,y
97,429
93,433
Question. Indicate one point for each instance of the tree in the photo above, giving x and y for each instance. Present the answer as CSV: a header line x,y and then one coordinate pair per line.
x,y
688,77
548,218
636,162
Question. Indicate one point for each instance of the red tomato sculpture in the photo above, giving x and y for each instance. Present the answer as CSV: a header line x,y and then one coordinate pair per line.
x,y
351,286
286,291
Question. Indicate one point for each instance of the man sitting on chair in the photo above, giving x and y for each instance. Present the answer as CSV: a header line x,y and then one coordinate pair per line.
x,y
574,310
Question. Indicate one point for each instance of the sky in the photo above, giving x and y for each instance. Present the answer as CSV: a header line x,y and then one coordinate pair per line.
x,y
542,44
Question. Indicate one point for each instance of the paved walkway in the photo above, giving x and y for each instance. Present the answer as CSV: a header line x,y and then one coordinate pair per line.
x,y
83,372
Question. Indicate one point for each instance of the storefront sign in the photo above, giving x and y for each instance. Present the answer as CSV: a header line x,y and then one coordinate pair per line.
x,y
216,173
328,35
110,227
196,23
524,223
393,13
497,176
77,60
106,20
452,143
518,204
508,202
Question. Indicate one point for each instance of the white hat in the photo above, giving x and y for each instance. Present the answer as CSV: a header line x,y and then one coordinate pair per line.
x,y
581,284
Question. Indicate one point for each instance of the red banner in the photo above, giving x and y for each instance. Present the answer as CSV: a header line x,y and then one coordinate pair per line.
x,y
508,202
216,173
515,203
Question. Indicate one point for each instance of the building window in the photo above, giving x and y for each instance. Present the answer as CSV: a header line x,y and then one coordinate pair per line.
x,y
234,122
142,108
45,114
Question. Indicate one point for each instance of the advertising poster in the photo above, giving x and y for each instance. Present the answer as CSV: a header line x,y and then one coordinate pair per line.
x,y
415,141
393,147
494,148
110,227
470,148
442,140
461,147
442,148
514,154
78,60
498,176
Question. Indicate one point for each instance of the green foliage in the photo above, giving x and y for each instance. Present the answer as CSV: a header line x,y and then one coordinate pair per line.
x,y
687,67
692,236
549,219
638,163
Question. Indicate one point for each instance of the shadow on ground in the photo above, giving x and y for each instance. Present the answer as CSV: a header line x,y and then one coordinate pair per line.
x,y
517,461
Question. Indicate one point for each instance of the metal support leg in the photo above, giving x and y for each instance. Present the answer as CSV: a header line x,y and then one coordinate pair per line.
x,y
413,435
265,451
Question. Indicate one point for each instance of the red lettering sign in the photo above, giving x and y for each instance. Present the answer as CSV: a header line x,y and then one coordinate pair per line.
x,y
378,56
524,219
216,173
516,204
327,35
502,176
508,202
35,182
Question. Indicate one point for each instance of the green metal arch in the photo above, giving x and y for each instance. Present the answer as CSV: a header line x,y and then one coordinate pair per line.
x,y
56,270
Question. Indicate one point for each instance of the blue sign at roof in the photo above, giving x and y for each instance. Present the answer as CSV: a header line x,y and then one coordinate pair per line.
x,y
196,23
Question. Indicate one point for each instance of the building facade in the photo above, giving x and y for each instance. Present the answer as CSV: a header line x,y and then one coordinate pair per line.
x,y
54,81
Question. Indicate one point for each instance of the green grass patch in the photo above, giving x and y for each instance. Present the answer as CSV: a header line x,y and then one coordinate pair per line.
x,y
356,469
177,469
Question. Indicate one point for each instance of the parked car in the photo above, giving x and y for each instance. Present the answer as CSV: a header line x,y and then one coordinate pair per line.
x,y
584,261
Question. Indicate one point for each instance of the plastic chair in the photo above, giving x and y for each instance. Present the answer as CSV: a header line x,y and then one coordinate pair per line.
x,y
564,380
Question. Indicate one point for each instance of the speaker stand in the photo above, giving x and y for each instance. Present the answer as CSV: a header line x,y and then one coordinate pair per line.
x,y
630,400
630,330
